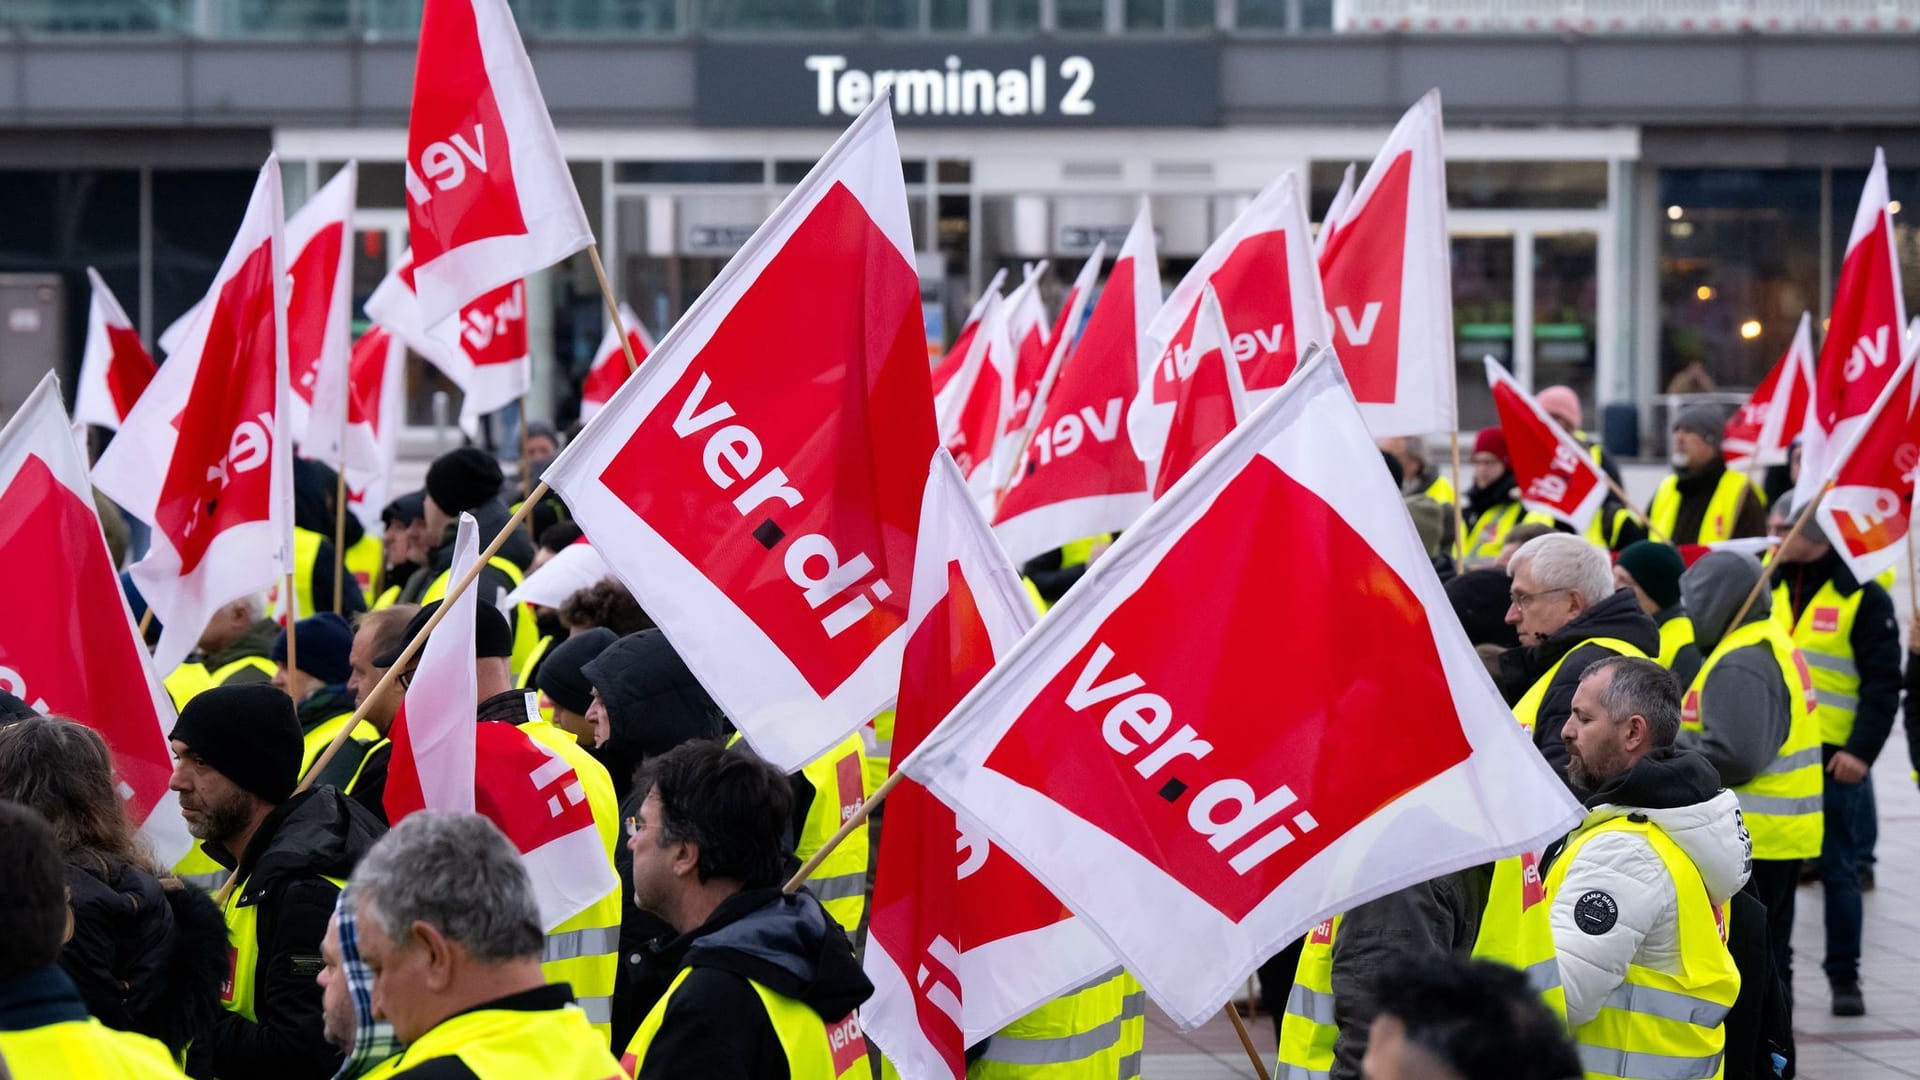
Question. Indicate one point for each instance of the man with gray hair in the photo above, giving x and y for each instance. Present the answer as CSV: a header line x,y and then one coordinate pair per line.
x,y
1569,616
1636,889
448,924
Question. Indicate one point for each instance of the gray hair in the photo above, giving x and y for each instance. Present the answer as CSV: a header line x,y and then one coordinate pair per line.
x,y
256,605
1565,561
458,874
1809,529
1640,686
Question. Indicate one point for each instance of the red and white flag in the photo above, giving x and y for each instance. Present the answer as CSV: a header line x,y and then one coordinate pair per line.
x,y
1032,344
577,566
443,760
974,412
1263,270
1868,511
376,410
949,365
609,371
1073,310
1765,427
1863,345
203,457
1211,400
320,315
1080,476
961,940
1556,476
1388,276
70,647
114,366
175,334
762,505
1335,210
489,198
1162,754
484,351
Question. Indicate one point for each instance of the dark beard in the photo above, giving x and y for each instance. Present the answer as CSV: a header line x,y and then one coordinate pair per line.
x,y
221,822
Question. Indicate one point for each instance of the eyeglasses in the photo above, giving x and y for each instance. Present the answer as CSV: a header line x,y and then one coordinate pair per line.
x,y
635,827
1521,599
406,680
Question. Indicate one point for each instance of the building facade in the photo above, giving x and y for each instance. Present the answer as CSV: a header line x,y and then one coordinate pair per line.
x,y
1641,196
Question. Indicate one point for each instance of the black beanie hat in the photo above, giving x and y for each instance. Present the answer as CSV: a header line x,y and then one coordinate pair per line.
x,y
463,479
561,676
248,733
1656,568
406,509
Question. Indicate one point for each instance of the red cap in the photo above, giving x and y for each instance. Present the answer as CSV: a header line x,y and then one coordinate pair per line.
x,y
1492,441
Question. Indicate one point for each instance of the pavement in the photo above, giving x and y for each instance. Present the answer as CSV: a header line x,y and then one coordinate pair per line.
x,y
1883,1045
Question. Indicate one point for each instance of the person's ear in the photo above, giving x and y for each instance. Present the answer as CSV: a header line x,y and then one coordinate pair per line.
x,y
1639,734
686,858
439,954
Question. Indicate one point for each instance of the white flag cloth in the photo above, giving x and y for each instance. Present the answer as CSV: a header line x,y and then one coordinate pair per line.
x,y
949,364
577,566
1388,275
1202,782
203,458
115,367
443,698
961,940
489,198
765,514
70,647
974,410
320,315
376,411
483,350
609,370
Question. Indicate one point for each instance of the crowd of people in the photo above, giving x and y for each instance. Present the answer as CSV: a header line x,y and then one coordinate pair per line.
x,y
1716,712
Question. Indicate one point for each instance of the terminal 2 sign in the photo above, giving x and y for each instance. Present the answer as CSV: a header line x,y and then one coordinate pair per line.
x,y
962,83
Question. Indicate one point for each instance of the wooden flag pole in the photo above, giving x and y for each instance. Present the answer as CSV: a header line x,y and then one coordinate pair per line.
x,y
526,472
146,622
858,818
407,654
1913,567
339,538
1246,1040
293,619
1799,522
1618,493
613,308
1459,514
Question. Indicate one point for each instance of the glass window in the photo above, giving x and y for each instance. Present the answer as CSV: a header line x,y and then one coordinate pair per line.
x,y
1087,15
1006,15
1522,184
1903,191
1739,261
1565,301
195,213
65,222
382,184
948,14
1316,14
728,15
1194,14
690,172
1260,14
1147,15
1482,320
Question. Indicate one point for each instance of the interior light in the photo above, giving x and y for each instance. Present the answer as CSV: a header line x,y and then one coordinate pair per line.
x,y
1674,213
1704,292
1750,329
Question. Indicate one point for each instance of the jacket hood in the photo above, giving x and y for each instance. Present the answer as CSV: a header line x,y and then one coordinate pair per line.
x,y
787,944
1617,616
653,701
1712,591
318,832
491,516
314,487
1679,791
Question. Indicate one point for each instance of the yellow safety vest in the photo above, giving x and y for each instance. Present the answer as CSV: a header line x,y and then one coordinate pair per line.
x,y
1080,1035
364,559
1824,633
839,787
1675,634
1440,491
1656,1025
315,742
353,782
1604,529
306,552
1488,533
584,951
876,743
1516,929
189,679
388,597
523,677
526,633
1782,805
243,950
1722,509
816,1049
1307,1030
513,1044
85,1048
1527,709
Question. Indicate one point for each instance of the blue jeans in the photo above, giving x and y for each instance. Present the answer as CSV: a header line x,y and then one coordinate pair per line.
x,y
1847,810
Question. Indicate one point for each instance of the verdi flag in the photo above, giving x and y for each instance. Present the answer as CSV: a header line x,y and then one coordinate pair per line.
x,y
115,367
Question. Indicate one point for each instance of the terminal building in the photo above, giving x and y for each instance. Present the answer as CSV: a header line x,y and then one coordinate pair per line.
x,y
1644,195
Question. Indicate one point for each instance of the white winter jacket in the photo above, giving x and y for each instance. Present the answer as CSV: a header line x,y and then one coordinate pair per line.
x,y
1594,951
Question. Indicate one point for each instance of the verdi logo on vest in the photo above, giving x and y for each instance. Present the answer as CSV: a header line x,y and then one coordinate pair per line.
x,y
1826,619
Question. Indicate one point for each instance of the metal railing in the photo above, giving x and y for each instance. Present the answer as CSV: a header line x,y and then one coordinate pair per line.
x,y
1625,16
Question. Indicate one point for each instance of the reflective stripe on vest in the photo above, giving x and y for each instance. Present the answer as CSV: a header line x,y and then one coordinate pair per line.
x,y
876,742
1675,634
584,951
1488,533
1133,1026
1723,509
1782,805
1516,928
1824,633
1659,1026
839,779
1081,1033
815,1049
1527,709
1307,1030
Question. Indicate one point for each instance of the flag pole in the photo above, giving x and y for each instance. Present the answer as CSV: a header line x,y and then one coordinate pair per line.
x,y
1459,501
613,309
146,621
853,822
293,619
1799,521
339,535
1240,1029
1913,566
413,647
1618,493
526,472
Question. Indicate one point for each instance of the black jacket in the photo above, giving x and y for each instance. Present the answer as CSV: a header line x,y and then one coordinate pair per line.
x,y
1876,645
491,516
145,958
1618,616
313,495
653,703
715,1026
317,834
